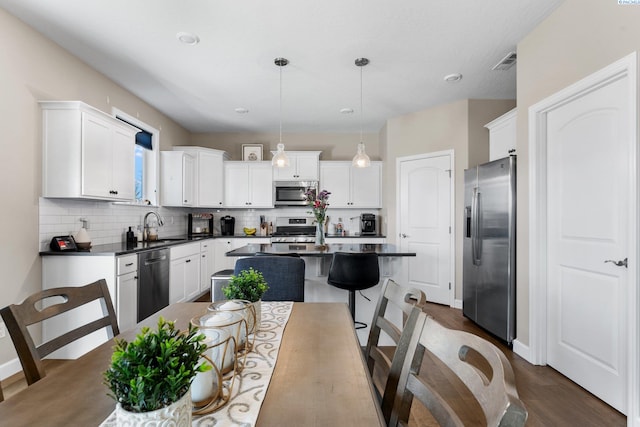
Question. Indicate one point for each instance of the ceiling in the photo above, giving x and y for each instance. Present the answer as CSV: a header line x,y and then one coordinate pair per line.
x,y
411,45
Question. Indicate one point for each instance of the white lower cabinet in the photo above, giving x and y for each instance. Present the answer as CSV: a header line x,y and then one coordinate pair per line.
x,y
78,270
224,245
207,262
126,303
184,272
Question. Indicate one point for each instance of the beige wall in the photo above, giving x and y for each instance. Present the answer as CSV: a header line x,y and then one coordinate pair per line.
x,y
458,126
334,146
579,38
33,68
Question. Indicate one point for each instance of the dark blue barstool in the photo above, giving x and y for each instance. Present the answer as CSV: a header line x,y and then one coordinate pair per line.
x,y
354,272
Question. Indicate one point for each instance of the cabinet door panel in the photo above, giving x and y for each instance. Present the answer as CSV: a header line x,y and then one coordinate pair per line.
x,y
188,172
261,185
365,186
334,177
127,300
123,165
192,277
96,157
210,180
176,281
307,167
287,173
236,185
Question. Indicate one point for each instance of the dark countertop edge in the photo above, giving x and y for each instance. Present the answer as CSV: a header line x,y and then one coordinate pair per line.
x,y
349,247
121,248
356,236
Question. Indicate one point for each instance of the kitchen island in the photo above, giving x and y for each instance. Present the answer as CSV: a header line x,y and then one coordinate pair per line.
x,y
311,250
317,261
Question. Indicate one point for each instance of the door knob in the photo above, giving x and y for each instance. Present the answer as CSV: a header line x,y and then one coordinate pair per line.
x,y
622,263
404,236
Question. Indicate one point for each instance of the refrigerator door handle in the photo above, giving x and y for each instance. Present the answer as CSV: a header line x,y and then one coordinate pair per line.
x,y
476,248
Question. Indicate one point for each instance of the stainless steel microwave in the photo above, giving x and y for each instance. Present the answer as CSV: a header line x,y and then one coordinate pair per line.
x,y
292,193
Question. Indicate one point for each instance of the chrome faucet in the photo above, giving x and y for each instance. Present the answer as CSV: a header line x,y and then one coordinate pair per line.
x,y
146,227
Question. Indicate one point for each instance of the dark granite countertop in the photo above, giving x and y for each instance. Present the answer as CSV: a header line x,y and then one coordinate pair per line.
x,y
121,248
310,250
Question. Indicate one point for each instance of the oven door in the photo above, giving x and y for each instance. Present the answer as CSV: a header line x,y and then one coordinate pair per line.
x,y
292,193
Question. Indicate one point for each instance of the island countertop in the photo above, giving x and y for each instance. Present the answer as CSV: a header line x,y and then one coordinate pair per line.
x,y
311,250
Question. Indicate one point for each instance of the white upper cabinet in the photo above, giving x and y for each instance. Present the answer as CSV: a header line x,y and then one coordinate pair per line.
x,y
303,166
208,175
248,185
502,135
177,176
86,153
352,187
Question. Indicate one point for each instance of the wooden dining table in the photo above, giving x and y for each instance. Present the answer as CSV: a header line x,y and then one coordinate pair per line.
x,y
320,377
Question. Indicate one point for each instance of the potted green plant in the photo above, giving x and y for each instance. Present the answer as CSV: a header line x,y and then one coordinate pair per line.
x,y
150,377
248,285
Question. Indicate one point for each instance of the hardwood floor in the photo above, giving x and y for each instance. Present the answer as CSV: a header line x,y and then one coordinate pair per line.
x,y
550,398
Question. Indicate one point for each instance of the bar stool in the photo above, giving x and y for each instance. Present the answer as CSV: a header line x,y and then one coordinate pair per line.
x,y
354,272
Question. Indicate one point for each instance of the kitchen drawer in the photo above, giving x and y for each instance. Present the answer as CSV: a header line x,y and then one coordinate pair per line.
x,y
181,251
126,264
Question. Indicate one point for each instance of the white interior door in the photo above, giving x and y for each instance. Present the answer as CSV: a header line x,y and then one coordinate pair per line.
x,y
588,177
424,213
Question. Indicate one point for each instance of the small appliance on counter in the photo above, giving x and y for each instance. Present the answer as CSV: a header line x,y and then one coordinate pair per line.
x,y
227,225
368,224
200,224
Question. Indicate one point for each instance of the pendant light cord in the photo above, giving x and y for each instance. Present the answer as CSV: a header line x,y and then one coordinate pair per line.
x,y
280,103
361,113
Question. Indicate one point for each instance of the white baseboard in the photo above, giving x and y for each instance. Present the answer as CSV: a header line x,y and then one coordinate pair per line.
x,y
522,350
457,304
10,368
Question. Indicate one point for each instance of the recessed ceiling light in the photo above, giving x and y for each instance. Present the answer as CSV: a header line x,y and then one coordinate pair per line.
x,y
453,78
241,110
188,38
346,110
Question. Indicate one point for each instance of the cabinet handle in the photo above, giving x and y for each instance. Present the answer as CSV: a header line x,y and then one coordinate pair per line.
x,y
128,264
135,277
188,260
204,256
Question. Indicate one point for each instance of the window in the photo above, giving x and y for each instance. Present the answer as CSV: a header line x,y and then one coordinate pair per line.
x,y
146,159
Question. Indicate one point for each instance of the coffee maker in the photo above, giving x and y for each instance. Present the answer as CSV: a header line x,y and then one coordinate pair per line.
x,y
227,225
367,224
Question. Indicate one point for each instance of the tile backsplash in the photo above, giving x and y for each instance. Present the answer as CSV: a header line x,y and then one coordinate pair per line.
x,y
108,222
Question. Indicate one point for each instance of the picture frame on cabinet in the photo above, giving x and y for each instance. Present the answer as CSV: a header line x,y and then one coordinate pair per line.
x,y
252,152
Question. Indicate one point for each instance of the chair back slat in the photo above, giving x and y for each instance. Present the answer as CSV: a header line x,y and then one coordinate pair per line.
x,y
479,364
18,316
410,302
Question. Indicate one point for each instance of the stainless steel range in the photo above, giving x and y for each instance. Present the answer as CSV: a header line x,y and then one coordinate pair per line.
x,y
294,230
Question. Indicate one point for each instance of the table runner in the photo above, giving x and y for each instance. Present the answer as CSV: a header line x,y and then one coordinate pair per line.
x,y
251,384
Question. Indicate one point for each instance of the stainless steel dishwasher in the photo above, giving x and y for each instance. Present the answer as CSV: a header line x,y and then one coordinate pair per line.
x,y
153,282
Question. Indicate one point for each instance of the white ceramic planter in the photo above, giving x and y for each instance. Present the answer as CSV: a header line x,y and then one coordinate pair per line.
x,y
177,414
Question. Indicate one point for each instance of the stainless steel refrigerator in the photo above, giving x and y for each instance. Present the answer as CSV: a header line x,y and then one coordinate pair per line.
x,y
489,249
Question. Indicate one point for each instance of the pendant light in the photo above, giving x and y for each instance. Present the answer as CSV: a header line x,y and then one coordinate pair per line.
x,y
280,159
361,160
